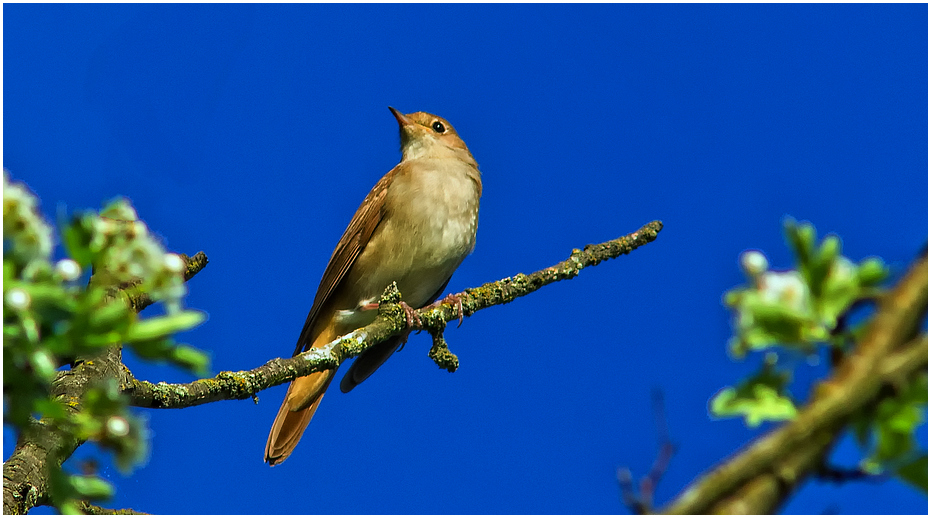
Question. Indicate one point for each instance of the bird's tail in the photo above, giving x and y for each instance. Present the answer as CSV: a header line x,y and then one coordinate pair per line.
x,y
300,403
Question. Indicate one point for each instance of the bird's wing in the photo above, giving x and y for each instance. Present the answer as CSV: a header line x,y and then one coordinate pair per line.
x,y
366,219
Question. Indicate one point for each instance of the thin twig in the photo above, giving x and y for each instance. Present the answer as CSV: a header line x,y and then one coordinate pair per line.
x,y
641,502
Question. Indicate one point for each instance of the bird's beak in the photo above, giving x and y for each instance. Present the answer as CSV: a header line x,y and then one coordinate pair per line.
x,y
402,120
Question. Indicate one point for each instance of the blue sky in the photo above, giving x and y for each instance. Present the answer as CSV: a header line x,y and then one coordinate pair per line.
x,y
252,132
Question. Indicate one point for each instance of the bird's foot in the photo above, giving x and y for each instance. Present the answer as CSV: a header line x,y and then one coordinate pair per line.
x,y
410,314
451,299
410,317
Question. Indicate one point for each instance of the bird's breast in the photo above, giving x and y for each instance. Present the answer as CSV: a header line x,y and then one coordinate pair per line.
x,y
428,228
437,201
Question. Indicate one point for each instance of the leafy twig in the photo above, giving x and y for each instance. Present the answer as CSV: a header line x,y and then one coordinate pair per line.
x,y
755,480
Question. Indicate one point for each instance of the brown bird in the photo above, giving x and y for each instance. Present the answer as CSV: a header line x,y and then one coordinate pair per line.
x,y
415,227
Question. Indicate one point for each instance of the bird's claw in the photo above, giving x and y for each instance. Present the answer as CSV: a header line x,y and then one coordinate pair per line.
x,y
410,314
411,317
452,299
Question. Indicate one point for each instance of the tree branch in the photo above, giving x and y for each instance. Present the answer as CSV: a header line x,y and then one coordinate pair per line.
x,y
757,480
139,300
389,322
41,445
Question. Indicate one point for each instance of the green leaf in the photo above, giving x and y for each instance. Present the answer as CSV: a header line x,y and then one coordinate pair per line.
x,y
51,409
892,425
764,404
829,250
821,265
841,287
158,327
102,339
91,487
9,271
773,322
43,363
191,358
759,398
114,314
872,271
76,238
915,473
70,507
801,237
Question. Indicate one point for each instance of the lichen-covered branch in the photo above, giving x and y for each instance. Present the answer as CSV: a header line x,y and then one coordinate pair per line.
x,y
390,321
757,480
506,290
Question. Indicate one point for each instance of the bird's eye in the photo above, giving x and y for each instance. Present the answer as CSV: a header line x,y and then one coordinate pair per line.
x,y
438,127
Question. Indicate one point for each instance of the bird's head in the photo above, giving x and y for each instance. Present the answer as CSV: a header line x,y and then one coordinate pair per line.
x,y
424,135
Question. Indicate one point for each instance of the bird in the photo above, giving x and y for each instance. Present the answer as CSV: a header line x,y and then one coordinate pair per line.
x,y
414,227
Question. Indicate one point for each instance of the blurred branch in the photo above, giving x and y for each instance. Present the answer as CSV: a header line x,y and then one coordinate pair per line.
x,y
91,509
757,480
391,321
41,445
25,473
139,300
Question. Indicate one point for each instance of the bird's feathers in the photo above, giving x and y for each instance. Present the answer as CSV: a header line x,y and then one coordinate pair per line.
x,y
353,241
